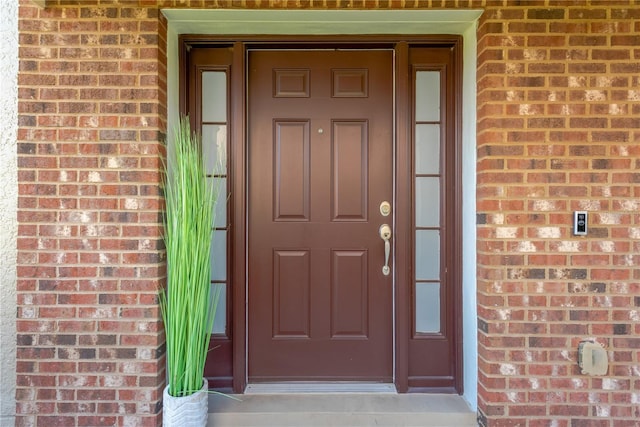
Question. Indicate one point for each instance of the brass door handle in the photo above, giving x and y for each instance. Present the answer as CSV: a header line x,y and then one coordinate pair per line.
x,y
385,234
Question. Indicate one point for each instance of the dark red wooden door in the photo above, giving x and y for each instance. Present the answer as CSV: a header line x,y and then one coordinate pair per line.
x,y
320,162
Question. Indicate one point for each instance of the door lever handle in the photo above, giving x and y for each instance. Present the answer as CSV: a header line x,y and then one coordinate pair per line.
x,y
385,234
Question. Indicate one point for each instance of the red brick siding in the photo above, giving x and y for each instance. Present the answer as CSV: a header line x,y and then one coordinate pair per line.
x,y
558,131
92,113
558,101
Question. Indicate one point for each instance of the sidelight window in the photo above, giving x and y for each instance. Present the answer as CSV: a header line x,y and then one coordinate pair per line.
x,y
214,144
427,201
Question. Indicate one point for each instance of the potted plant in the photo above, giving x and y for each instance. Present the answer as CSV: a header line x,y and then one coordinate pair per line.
x,y
187,302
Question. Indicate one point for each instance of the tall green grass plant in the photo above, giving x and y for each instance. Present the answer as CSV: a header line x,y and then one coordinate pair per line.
x,y
188,302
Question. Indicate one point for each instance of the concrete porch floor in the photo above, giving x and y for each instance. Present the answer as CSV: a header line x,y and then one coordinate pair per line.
x,y
340,409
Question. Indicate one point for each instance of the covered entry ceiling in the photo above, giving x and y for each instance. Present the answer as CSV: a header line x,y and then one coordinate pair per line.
x,y
237,21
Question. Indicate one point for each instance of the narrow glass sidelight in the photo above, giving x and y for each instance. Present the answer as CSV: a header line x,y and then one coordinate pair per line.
x,y
214,141
428,299
427,255
427,200
214,97
427,191
428,96
427,148
215,148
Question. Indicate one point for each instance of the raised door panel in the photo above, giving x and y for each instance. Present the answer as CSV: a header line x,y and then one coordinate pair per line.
x,y
350,157
291,170
349,294
291,282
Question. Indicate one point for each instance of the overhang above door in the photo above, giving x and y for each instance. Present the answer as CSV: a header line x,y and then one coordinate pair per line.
x,y
320,22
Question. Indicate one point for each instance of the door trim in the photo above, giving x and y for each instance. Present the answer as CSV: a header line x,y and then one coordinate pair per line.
x,y
431,22
238,173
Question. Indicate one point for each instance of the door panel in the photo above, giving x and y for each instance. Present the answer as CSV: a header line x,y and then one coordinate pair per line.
x,y
349,294
350,171
291,286
291,171
320,153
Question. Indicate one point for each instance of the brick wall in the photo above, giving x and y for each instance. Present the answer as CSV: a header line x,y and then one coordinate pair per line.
x,y
558,130
92,107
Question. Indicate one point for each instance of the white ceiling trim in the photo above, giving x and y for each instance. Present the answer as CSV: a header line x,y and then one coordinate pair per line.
x,y
320,22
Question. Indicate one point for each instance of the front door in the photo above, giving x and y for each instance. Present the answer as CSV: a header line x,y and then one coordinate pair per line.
x,y
310,160
320,156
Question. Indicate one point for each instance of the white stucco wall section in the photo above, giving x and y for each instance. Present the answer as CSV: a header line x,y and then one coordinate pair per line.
x,y
8,207
358,22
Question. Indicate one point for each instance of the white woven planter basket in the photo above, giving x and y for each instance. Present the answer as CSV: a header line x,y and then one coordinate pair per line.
x,y
186,411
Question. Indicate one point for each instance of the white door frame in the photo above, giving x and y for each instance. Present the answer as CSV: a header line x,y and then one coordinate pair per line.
x,y
358,22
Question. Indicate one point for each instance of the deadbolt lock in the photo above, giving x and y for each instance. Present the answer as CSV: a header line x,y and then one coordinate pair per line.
x,y
385,208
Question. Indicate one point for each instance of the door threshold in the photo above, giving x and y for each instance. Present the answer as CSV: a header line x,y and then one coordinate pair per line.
x,y
320,387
